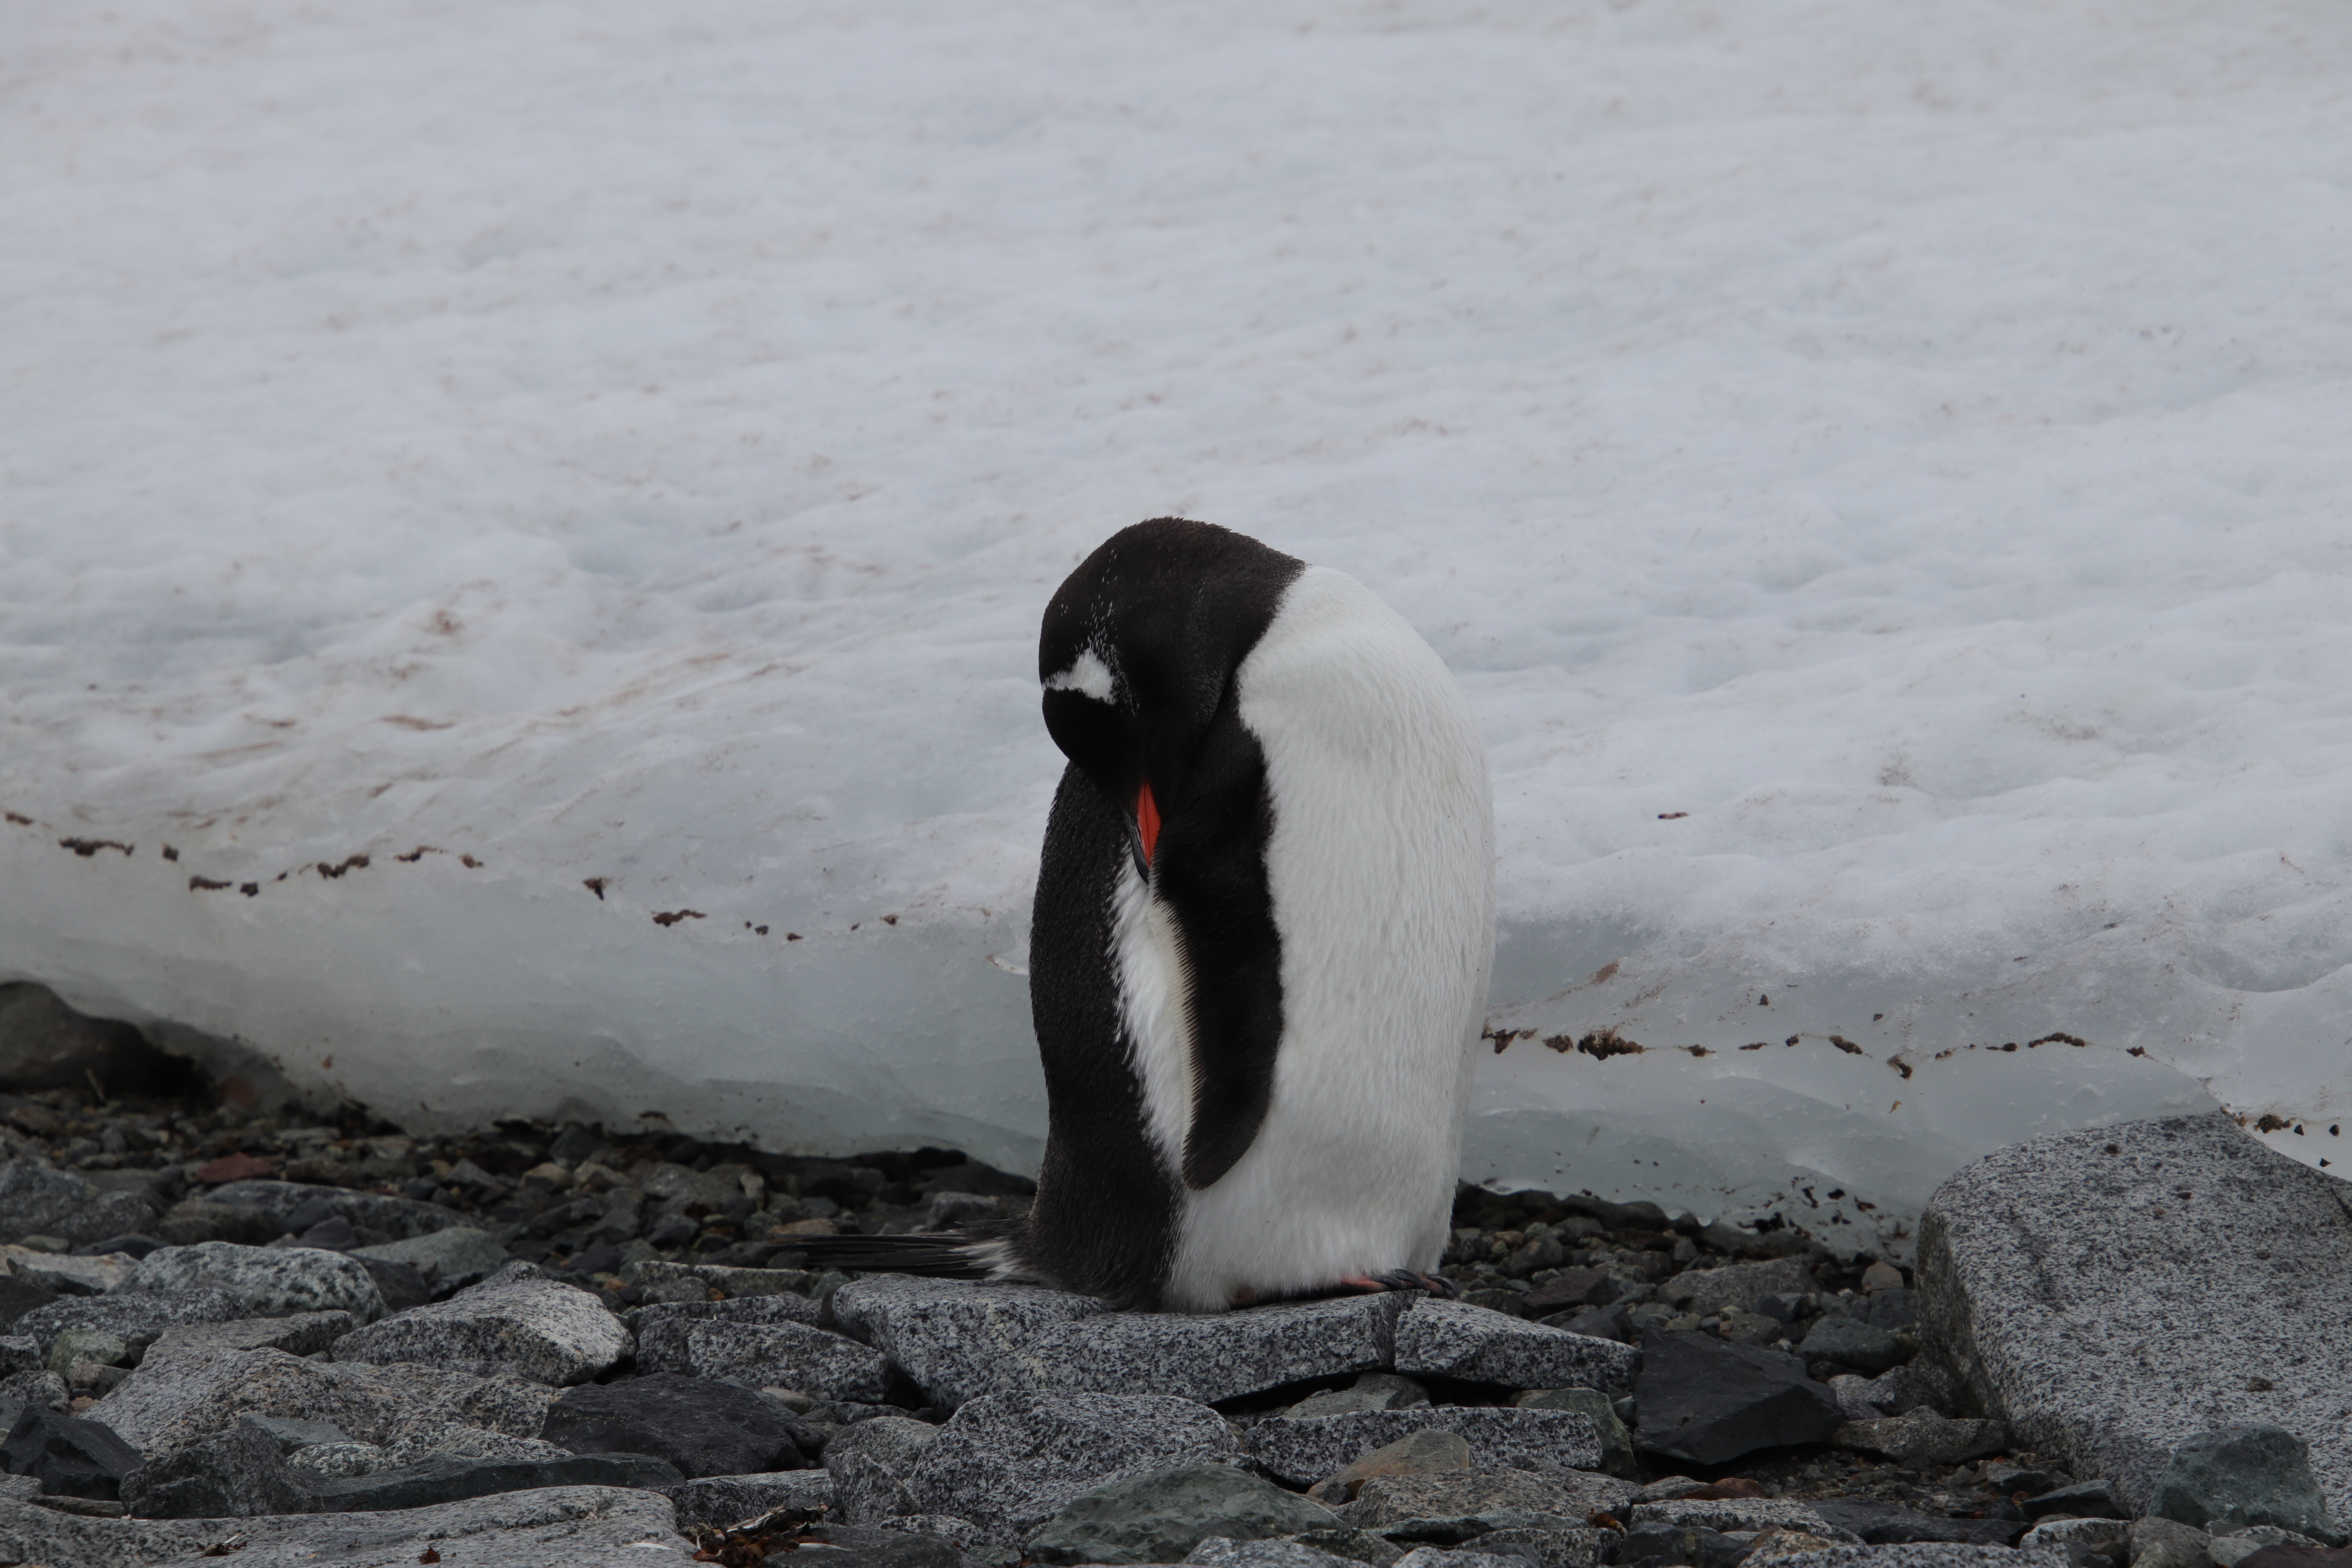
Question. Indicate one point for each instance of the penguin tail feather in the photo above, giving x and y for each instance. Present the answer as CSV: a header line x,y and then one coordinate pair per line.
x,y
945,1255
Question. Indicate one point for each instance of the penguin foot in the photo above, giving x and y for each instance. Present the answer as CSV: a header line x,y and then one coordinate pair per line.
x,y
1403,1280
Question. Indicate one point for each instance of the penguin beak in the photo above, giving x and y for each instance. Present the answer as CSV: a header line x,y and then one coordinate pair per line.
x,y
1147,827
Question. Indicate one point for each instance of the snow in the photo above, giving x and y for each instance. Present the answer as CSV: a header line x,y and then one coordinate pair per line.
x,y
1878,473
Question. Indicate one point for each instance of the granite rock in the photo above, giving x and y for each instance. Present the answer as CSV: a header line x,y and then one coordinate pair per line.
x,y
181,1396
661,1327
869,1464
515,1323
137,1321
1271,1551
239,1473
1736,1288
2291,1556
663,1281
38,1199
1922,1439
1706,1402
450,1478
1483,1494
71,1274
271,1281
781,1355
2165,1544
869,1546
1010,1461
1453,1339
336,1461
1210,1356
2057,1532
1549,1546
2075,1292
1433,1450
1445,1557
1303,1450
1162,1515
722,1501
69,1456
703,1428
19,1353
299,1334
2234,1476
20,1296
1728,1514
956,1341
1922,1554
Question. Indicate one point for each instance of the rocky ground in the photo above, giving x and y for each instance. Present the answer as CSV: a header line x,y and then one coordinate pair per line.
x,y
328,1341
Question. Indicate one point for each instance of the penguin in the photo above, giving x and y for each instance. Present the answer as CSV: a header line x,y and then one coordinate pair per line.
x,y
1264,926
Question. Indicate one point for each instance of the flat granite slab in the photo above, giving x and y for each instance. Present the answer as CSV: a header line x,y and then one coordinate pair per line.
x,y
2108,1293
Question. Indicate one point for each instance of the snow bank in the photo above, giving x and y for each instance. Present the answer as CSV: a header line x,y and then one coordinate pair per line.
x,y
1880,478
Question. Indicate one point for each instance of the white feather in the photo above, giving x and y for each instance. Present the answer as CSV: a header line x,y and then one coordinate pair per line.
x,y
1381,869
1087,675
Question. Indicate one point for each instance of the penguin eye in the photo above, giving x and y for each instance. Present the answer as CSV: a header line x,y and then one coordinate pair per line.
x,y
1087,675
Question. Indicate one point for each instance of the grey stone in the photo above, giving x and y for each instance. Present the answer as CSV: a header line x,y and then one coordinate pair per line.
x,y
1728,1514
38,1199
661,1327
20,1296
869,1546
1849,1343
869,1464
1616,1442
92,1344
137,1321
658,1277
19,1353
783,1355
1162,1515
69,1456
2165,1544
1224,1552
1009,1461
2075,1292
1708,1403
239,1473
1302,1450
1922,1437
2229,1551
955,1341
395,1217
1432,1450
1211,1356
2084,1500
1453,1339
1564,1546
515,1323
1372,1391
579,1527
1444,1557
2227,1479
336,1461
2056,1533
1484,1495
75,1274
1885,1524
299,1334
1737,1287
1921,1554
457,1252
703,1428
450,1479
722,1501
1892,1308
181,1396
272,1281
1900,1390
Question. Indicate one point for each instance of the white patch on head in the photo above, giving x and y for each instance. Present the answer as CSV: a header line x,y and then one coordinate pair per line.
x,y
1382,865
1087,675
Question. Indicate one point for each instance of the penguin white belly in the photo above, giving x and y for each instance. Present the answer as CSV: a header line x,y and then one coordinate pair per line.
x,y
1380,871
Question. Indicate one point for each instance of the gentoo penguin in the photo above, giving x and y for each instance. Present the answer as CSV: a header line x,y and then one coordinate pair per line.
x,y
1258,961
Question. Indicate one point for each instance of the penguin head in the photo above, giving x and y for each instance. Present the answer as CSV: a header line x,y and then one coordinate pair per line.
x,y
1138,652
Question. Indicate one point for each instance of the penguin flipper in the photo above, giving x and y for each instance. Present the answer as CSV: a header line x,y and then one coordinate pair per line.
x,y
1211,873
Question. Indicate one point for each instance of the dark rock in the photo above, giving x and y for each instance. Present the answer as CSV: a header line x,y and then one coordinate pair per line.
x,y
2037,1263
237,1474
122,1246
703,1428
1708,1403
726,1500
2086,1500
1372,1391
1616,1442
1848,1343
1897,1307
1574,1289
193,1221
1452,1338
44,1043
1300,1451
1009,1461
69,1457
396,1217
2289,1556
2225,1479
291,1433
36,1199
1922,1439
400,1284
1657,1545
449,1479
1611,1322
1459,1505
1736,1287
1162,1515
333,1233
20,1352
18,1297
1888,1524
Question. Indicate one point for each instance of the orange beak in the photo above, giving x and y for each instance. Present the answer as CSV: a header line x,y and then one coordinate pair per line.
x,y
1147,821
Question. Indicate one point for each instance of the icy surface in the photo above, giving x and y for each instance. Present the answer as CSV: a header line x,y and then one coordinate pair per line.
x,y
622,452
